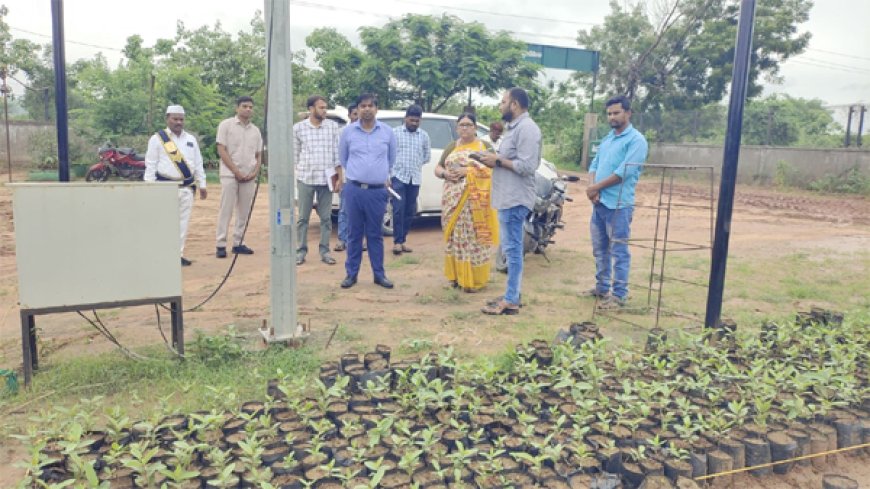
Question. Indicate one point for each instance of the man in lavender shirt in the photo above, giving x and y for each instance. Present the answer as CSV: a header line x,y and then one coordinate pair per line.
x,y
367,151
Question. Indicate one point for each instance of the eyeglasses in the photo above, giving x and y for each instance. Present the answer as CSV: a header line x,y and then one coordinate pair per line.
x,y
466,124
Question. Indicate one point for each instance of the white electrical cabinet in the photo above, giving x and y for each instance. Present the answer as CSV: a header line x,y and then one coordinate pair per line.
x,y
96,243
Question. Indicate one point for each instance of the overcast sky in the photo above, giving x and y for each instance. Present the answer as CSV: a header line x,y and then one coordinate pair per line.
x,y
836,67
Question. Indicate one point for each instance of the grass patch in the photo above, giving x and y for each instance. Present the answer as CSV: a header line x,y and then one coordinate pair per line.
x,y
464,315
454,296
403,261
344,333
218,372
415,345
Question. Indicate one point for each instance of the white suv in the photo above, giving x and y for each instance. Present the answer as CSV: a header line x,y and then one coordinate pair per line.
x,y
442,130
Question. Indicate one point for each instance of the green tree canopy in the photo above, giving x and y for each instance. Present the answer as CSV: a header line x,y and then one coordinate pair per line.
x,y
781,120
429,60
681,56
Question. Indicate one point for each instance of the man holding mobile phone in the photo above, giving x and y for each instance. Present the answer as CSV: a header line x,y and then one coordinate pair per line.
x,y
513,190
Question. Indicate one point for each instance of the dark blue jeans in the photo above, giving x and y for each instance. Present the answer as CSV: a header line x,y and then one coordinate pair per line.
x,y
403,210
365,215
609,230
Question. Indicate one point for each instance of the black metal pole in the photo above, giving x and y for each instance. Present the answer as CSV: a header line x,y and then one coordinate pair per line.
x,y
862,110
849,126
739,83
60,90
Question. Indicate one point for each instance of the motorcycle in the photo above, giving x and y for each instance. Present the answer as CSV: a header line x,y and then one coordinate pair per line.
x,y
120,162
541,224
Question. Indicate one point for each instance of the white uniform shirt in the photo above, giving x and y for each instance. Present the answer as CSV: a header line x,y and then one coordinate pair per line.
x,y
157,160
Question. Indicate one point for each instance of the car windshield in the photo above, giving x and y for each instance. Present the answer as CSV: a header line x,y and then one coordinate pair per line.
x,y
441,131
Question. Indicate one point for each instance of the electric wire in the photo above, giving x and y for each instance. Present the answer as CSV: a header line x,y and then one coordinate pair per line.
x,y
385,16
101,328
97,46
263,163
839,54
832,64
829,67
500,14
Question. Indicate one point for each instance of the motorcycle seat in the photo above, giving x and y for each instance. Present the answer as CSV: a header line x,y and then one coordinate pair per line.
x,y
126,151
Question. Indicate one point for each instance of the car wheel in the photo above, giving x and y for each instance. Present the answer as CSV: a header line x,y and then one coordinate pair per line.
x,y
387,226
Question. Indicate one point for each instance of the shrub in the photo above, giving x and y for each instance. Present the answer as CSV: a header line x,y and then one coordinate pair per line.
x,y
42,148
851,182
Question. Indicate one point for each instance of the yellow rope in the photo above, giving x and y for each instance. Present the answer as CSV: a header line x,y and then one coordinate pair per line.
x,y
803,457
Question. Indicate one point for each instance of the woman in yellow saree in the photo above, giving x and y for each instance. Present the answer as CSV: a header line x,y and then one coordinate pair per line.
x,y
470,224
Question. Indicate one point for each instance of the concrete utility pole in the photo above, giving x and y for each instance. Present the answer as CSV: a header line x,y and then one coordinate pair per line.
x,y
282,212
6,91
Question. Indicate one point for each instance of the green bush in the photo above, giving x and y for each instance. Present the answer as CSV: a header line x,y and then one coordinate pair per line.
x,y
42,148
851,182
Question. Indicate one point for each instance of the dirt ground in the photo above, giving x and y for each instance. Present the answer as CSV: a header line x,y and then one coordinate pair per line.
x,y
422,308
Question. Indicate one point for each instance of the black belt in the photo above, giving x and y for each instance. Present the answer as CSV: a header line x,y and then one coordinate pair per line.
x,y
367,185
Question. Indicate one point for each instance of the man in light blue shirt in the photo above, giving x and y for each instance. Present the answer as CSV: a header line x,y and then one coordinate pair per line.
x,y
613,175
414,151
367,151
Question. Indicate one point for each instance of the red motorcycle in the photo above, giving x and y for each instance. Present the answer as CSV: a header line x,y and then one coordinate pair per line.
x,y
120,162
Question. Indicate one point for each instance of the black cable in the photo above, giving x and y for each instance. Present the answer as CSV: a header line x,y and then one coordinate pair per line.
x,y
101,328
163,335
263,163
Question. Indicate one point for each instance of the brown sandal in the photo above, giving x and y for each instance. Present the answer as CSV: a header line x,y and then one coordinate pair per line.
x,y
501,307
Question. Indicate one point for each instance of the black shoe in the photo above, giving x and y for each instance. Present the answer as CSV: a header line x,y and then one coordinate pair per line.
x,y
185,262
242,250
384,282
348,282
221,252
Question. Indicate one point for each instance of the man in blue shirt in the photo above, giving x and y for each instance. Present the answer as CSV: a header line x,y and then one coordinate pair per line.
x,y
613,175
414,151
367,151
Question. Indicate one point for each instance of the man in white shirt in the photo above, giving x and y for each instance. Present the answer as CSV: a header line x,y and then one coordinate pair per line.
x,y
173,155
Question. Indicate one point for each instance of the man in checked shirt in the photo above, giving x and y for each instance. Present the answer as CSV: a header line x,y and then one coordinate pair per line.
x,y
316,160
413,151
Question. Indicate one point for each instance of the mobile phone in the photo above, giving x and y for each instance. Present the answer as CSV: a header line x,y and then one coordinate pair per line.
x,y
475,156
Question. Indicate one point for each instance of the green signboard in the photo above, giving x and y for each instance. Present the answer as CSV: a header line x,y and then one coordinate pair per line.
x,y
563,58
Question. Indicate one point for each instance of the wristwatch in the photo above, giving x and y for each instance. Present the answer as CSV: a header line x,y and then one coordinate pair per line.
x,y
498,162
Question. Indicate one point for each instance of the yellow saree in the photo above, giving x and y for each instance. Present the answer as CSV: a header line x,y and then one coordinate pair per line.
x,y
469,222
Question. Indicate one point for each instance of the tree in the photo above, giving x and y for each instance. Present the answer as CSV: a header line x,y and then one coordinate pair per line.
x,y
681,56
780,120
340,66
429,60
234,65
